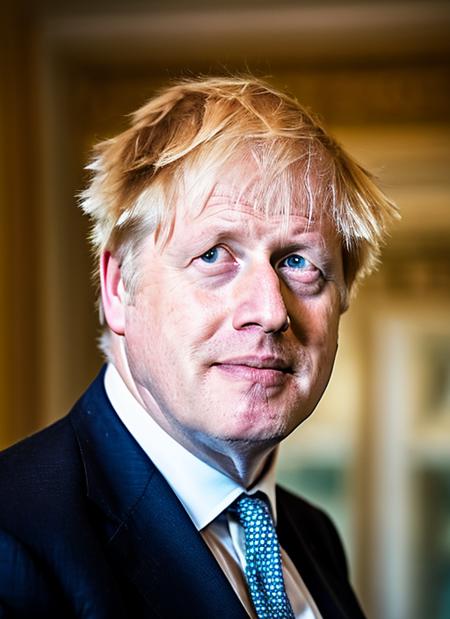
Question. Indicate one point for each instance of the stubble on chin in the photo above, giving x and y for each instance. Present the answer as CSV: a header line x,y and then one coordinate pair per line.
x,y
256,417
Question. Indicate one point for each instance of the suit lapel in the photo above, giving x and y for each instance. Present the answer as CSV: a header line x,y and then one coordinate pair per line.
x,y
149,537
162,542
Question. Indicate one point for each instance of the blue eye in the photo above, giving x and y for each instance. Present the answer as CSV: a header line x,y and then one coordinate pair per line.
x,y
295,261
210,256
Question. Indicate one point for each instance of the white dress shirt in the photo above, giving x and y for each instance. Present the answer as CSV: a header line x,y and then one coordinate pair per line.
x,y
206,493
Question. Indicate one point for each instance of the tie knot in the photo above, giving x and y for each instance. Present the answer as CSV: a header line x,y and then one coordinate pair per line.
x,y
253,510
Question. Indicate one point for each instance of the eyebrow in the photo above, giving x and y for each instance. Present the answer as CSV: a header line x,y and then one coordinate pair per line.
x,y
229,228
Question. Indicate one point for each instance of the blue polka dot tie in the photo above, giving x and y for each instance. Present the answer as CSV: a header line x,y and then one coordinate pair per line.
x,y
262,553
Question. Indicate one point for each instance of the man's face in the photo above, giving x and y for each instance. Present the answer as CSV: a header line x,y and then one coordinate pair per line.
x,y
206,335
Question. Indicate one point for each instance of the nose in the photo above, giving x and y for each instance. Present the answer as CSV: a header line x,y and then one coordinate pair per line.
x,y
259,302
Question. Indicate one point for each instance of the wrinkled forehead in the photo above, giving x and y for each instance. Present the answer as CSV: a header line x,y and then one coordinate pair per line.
x,y
249,181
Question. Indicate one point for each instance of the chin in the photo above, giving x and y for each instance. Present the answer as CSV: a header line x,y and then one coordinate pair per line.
x,y
257,429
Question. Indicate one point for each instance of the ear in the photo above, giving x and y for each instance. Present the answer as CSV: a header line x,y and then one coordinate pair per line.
x,y
113,293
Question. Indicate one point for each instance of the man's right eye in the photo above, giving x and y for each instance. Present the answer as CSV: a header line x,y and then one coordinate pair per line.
x,y
218,260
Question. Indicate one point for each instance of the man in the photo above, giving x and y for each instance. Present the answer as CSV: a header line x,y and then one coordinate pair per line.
x,y
230,230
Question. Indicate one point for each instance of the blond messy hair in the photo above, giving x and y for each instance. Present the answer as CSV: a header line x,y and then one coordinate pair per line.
x,y
181,140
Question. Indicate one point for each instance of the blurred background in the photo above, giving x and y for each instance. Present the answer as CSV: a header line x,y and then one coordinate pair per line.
x,y
376,454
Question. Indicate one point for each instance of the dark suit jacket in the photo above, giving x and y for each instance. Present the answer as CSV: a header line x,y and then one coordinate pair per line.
x,y
90,528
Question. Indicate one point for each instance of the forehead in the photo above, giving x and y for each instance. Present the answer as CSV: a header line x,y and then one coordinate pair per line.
x,y
246,182
225,216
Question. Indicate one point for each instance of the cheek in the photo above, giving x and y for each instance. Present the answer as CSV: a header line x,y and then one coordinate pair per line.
x,y
327,351
166,333
200,315
323,330
316,322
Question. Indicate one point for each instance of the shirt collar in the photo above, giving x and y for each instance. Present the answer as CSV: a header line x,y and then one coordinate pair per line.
x,y
204,491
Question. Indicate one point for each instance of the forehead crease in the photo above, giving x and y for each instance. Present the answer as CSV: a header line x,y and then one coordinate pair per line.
x,y
244,183
242,222
219,225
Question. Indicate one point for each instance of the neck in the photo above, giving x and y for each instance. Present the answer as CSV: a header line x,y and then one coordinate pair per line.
x,y
243,461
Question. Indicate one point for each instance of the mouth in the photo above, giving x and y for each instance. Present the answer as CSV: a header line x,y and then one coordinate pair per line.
x,y
268,371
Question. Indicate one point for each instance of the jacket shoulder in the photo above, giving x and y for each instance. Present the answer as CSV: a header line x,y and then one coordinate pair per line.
x,y
39,465
38,478
24,584
46,465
